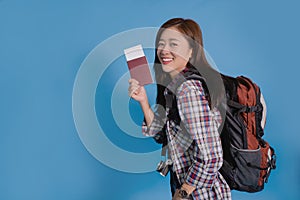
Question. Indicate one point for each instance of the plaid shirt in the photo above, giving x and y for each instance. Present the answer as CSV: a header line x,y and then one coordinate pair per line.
x,y
194,146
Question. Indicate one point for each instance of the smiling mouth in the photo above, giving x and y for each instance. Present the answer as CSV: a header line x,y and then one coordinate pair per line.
x,y
166,61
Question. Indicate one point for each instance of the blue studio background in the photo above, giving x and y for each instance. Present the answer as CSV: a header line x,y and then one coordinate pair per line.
x,y
42,45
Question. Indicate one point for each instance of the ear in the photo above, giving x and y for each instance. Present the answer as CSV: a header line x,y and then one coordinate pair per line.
x,y
190,53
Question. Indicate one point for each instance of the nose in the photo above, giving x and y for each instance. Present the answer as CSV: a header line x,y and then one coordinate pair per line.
x,y
164,50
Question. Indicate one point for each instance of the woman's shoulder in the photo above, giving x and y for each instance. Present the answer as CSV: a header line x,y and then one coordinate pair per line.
x,y
191,85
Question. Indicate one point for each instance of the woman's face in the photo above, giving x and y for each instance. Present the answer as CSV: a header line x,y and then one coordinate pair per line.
x,y
173,51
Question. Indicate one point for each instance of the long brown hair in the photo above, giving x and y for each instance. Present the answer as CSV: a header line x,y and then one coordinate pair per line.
x,y
198,61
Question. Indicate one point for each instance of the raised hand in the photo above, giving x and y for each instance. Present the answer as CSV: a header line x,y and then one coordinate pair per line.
x,y
136,91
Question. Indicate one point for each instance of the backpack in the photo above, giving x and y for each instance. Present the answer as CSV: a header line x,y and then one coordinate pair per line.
x,y
247,158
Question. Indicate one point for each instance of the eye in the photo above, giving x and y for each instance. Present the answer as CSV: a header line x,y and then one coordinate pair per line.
x,y
160,44
173,44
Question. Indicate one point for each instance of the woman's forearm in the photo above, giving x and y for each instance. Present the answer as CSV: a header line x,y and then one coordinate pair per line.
x,y
148,113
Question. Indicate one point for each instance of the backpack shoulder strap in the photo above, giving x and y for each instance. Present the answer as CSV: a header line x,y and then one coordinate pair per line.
x,y
171,92
171,100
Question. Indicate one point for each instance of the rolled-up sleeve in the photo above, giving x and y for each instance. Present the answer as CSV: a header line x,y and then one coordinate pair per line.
x,y
198,120
155,127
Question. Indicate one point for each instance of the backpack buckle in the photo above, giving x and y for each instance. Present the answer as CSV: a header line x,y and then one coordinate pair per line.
x,y
251,109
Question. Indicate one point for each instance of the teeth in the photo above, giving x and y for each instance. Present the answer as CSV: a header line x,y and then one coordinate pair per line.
x,y
167,59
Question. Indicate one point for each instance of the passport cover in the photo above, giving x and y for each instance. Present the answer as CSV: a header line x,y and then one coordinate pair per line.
x,y
138,65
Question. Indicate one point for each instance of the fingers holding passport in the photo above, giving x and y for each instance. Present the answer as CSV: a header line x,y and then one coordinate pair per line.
x,y
133,87
136,91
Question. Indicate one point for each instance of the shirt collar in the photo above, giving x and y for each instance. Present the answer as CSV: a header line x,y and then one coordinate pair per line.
x,y
172,86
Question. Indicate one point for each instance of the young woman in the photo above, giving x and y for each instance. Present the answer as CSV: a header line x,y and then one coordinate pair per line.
x,y
194,145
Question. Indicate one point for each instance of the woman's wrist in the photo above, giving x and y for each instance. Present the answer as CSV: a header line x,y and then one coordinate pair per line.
x,y
144,102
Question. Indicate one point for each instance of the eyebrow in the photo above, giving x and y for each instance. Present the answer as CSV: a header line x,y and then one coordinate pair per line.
x,y
171,39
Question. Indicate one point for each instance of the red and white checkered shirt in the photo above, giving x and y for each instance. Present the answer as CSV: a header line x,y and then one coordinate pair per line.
x,y
194,146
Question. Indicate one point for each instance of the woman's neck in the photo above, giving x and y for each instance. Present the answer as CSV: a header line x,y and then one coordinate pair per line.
x,y
174,73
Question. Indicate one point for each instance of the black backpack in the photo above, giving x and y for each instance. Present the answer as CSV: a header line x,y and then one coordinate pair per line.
x,y
248,159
